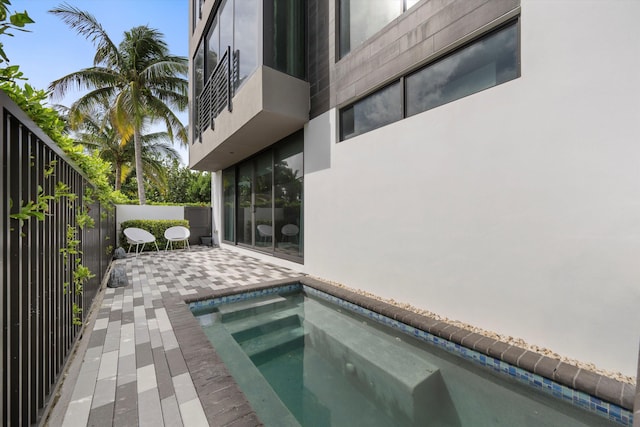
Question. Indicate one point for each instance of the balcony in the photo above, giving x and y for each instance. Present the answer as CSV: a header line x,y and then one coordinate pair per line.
x,y
267,107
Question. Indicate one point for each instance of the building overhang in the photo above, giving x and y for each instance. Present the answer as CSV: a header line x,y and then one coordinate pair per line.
x,y
269,106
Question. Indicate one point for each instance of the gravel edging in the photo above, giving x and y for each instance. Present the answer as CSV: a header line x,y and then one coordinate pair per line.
x,y
610,386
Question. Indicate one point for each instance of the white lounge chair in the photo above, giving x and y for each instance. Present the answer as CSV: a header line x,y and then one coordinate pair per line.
x,y
177,233
138,236
265,232
290,231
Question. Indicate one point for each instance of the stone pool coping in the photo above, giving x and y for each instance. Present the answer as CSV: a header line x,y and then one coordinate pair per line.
x,y
217,389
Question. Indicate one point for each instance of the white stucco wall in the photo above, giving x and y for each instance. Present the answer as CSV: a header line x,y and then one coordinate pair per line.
x,y
516,209
129,212
216,202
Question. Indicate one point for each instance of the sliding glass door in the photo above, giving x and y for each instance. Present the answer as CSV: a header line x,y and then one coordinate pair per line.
x,y
288,186
244,218
268,192
229,203
263,202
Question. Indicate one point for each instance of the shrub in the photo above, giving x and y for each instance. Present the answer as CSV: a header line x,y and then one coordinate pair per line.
x,y
153,226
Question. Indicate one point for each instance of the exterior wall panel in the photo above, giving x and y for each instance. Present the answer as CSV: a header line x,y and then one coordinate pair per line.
x,y
409,40
515,209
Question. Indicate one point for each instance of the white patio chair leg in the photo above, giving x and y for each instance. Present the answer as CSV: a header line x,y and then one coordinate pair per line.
x,y
167,245
188,247
156,243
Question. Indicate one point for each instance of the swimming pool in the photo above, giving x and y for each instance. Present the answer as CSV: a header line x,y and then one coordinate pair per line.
x,y
305,357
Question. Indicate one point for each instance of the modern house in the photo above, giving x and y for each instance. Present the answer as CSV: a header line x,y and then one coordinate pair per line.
x,y
476,158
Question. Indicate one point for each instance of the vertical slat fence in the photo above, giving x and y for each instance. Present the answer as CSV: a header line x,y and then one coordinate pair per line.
x,y
36,307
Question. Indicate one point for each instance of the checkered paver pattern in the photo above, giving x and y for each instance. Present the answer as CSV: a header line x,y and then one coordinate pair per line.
x,y
134,371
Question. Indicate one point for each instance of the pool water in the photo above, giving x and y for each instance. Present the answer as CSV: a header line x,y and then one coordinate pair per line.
x,y
301,361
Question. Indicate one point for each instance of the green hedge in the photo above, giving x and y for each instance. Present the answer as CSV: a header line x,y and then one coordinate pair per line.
x,y
153,226
152,203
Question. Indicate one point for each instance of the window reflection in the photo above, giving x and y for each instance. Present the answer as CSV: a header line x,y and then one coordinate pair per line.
x,y
284,36
234,25
244,221
376,110
262,205
226,26
269,190
246,37
360,19
213,48
229,202
288,190
485,63
198,85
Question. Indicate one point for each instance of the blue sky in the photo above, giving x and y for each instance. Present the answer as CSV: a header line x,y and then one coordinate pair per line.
x,y
51,49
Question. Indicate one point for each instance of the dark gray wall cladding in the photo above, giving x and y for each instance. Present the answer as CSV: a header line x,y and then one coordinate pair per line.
x,y
199,222
318,55
409,40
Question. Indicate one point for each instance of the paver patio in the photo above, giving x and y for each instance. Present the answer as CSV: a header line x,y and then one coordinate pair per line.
x,y
131,368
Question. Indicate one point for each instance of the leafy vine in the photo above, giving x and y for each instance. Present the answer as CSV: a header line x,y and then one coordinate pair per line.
x,y
40,209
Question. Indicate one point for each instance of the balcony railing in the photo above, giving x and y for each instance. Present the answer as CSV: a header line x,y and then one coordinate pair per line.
x,y
218,91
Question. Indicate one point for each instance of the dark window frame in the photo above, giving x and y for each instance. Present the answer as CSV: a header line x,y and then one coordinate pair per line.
x,y
271,251
402,79
401,106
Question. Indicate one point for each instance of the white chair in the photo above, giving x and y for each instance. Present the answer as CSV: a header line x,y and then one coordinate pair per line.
x,y
177,233
265,231
138,236
290,230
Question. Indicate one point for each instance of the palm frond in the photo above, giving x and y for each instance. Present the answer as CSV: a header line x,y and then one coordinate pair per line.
x,y
88,26
162,149
88,102
175,128
85,79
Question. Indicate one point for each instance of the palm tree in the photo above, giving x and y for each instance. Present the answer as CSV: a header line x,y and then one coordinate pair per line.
x,y
96,131
140,79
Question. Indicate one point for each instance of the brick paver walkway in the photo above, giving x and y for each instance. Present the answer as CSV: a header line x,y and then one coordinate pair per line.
x,y
133,372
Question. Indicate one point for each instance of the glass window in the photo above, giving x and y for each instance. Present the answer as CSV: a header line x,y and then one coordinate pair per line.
x,y
360,19
226,26
485,63
263,187
288,187
229,202
213,48
374,111
489,61
244,227
198,85
284,35
246,37
268,191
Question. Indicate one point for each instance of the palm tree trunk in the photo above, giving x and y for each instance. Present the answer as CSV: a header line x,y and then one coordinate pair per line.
x,y
118,172
137,145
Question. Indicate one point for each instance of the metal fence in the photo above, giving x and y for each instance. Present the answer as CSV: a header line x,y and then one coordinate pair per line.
x,y
37,295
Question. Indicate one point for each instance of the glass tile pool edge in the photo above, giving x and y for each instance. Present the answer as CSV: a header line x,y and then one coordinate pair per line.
x,y
570,395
